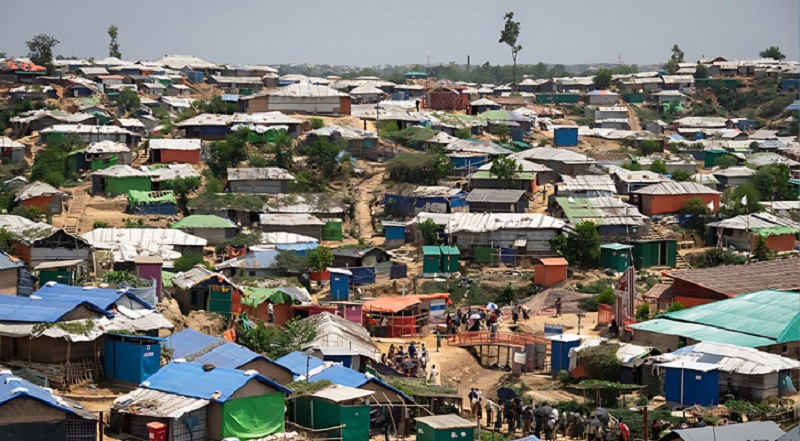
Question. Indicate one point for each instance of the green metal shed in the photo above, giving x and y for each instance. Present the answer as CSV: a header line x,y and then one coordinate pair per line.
x,y
449,259
711,157
340,409
432,259
647,253
633,98
449,427
332,230
615,256
118,186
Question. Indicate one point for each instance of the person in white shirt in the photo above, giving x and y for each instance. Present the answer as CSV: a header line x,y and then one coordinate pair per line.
x,y
433,376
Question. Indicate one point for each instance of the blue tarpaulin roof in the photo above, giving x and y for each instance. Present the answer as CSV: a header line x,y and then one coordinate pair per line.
x,y
363,276
8,262
28,310
102,298
188,341
190,380
296,362
344,376
31,391
223,353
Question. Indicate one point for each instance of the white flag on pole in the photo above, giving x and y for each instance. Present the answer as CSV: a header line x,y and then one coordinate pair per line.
x,y
744,200
710,205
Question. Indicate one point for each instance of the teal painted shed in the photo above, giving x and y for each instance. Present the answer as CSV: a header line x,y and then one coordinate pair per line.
x,y
449,259
449,427
432,259
615,256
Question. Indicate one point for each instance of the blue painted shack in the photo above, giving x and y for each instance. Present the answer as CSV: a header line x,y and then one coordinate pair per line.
x,y
340,283
690,383
131,358
565,137
560,345
405,200
394,234
465,163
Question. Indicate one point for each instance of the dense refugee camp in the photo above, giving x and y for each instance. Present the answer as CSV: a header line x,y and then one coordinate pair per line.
x,y
441,221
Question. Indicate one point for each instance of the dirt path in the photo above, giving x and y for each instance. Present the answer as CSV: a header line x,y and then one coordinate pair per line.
x,y
74,216
633,118
363,201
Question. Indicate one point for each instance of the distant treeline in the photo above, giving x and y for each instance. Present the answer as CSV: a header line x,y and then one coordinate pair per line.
x,y
481,74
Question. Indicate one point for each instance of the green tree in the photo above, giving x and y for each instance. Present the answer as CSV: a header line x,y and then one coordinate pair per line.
x,y
7,240
228,153
216,105
40,50
321,155
283,151
675,58
306,182
632,166
762,252
425,168
701,71
129,99
320,258
113,45
429,231
463,133
581,247
182,187
773,52
732,201
505,167
658,166
606,296
316,123
188,260
501,131
681,175
725,161
675,306
772,183
32,213
214,185
698,213
509,36
275,342
642,313
257,160
602,79
289,263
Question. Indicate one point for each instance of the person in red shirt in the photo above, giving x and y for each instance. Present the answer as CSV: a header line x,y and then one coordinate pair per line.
x,y
624,431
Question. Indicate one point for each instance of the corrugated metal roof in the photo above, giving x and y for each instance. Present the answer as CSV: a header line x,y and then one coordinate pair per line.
x,y
552,154
305,90
36,189
107,146
308,203
588,183
336,332
782,274
451,421
142,237
254,259
702,332
601,211
343,132
282,238
466,145
732,358
524,165
121,171
757,430
485,222
338,393
86,129
287,219
253,173
199,273
175,144
735,172
8,143
21,226
757,221
495,196
672,187
157,404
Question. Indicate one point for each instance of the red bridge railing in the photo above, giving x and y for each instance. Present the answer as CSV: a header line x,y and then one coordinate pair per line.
x,y
487,338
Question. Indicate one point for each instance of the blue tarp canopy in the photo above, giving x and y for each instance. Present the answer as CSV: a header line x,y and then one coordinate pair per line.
x,y
224,354
190,380
188,341
344,376
102,298
32,391
296,362
29,310
362,276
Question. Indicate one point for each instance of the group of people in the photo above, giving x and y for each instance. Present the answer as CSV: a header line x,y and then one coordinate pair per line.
x,y
411,361
473,320
544,421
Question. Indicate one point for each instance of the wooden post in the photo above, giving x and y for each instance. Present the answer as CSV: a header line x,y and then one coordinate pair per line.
x,y
101,425
66,366
646,427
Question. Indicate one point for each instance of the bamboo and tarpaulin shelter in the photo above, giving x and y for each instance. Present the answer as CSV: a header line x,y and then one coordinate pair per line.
x,y
152,202
334,413
408,315
256,303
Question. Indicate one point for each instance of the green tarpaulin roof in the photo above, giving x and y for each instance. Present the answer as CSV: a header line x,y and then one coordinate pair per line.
x,y
257,296
430,250
775,231
496,115
151,197
756,319
203,221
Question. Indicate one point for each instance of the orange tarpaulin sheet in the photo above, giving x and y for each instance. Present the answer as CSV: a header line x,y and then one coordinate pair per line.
x,y
230,335
390,304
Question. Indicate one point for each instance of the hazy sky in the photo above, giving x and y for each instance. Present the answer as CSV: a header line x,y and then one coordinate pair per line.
x,y
372,32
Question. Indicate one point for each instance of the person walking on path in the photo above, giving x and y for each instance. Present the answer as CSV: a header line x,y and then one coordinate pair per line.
x,y
558,307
